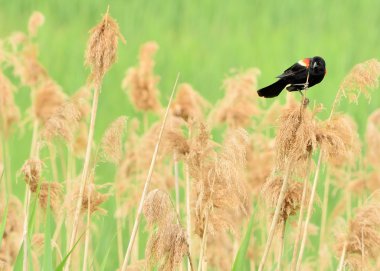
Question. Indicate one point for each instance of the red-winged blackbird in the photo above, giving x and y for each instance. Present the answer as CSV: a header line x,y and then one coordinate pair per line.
x,y
297,77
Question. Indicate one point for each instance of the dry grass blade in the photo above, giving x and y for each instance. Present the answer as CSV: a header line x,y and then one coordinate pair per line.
x,y
147,182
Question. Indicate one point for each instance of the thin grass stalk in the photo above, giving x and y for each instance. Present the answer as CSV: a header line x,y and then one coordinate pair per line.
x,y
188,208
147,183
86,167
204,244
324,212
53,163
309,210
8,168
88,231
33,154
176,182
342,257
275,217
362,249
300,218
282,244
119,232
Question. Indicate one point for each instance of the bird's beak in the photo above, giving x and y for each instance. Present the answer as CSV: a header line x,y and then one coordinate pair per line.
x,y
314,65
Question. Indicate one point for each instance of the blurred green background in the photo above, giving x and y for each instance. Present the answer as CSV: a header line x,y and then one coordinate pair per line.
x,y
202,40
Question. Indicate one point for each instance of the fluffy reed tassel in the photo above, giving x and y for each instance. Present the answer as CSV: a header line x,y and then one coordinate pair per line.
x,y
296,139
32,173
141,82
100,55
363,77
363,237
36,20
102,47
338,140
50,191
292,200
168,244
10,113
112,141
188,104
239,102
91,198
373,139
47,99
12,236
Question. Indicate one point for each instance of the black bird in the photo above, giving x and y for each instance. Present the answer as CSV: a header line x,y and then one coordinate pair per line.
x,y
303,74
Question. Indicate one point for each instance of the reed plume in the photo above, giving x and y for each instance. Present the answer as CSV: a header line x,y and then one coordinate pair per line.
x,y
112,140
362,240
360,80
168,245
141,82
239,103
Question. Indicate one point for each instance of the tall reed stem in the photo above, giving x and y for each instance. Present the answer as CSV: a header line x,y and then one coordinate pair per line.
x,y
275,217
282,243
342,257
300,218
147,183
88,231
33,154
85,171
309,210
176,183
324,212
188,209
204,244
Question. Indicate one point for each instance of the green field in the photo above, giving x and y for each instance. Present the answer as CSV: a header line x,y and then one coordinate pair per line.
x,y
203,40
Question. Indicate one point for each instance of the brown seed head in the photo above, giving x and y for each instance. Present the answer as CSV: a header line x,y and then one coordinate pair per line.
x,y
36,20
239,102
363,235
338,139
55,191
373,139
295,140
10,113
102,48
188,104
363,77
47,99
157,208
141,82
32,173
293,197
112,140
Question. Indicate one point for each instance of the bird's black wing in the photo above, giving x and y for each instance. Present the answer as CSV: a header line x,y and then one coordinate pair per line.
x,y
293,70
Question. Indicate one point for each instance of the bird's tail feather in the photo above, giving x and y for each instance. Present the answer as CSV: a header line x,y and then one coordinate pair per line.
x,y
272,90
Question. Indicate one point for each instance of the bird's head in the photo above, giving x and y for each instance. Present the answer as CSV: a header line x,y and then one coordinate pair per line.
x,y
318,65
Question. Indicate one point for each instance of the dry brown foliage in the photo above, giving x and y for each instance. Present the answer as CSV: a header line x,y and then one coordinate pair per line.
x,y
92,198
363,77
189,104
48,97
102,47
12,236
10,113
296,138
373,139
168,245
28,68
112,140
32,173
293,197
338,140
362,237
50,192
219,184
36,20
141,82
239,103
